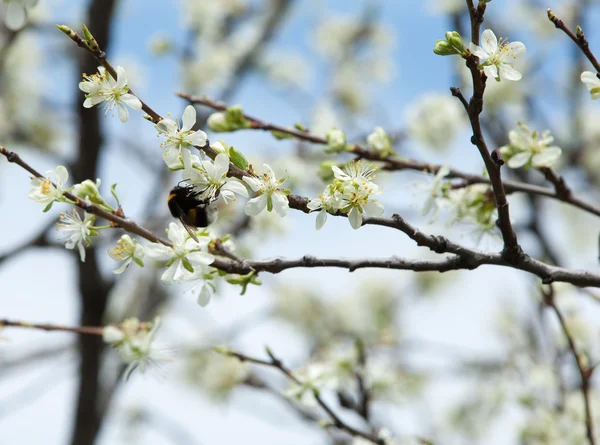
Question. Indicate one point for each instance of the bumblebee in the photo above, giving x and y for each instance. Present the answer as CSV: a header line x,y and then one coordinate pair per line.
x,y
184,204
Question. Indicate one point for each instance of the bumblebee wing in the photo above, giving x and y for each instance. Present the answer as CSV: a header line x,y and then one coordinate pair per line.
x,y
188,228
180,214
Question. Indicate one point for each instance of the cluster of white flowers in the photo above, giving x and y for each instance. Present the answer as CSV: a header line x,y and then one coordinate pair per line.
x,y
530,148
217,374
337,369
134,340
351,193
473,204
101,87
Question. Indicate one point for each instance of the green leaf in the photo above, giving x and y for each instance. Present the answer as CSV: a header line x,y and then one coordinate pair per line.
x,y
238,159
48,207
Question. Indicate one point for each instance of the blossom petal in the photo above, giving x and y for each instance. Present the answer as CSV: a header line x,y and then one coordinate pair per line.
x,y
15,17
198,138
489,41
131,101
280,203
519,160
256,205
252,182
546,158
321,219
205,295
355,218
509,73
188,119
478,51
158,251
123,112
62,175
121,79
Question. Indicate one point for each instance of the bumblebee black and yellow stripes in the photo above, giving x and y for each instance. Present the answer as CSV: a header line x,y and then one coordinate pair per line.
x,y
192,212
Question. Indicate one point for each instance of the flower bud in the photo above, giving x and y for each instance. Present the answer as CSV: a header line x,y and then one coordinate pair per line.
x,y
218,122
443,48
456,41
336,140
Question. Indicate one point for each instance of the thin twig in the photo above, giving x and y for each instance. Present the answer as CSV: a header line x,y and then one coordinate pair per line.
x,y
579,39
83,330
585,372
338,423
396,164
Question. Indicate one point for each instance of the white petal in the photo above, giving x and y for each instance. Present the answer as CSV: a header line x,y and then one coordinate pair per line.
x,y
168,277
188,119
509,73
159,251
62,175
16,17
519,160
221,165
123,266
321,219
236,187
491,71
255,205
254,183
589,78
547,158
280,203
123,112
516,48
373,208
479,52
200,259
131,101
489,42
177,234
339,174
172,159
205,295
121,79
355,218
166,126
198,138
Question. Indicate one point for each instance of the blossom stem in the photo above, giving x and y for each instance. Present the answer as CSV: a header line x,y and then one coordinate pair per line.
x,y
83,330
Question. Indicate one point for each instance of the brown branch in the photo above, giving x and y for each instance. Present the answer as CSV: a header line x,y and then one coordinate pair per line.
x,y
578,38
395,164
335,420
464,258
585,372
82,330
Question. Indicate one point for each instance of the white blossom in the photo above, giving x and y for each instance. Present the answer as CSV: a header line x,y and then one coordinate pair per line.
x,y
496,56
530,148
186,259
435,193
268,195
101,87
591,81
135,343
44,191
127,250
78,231
210,177
380,141
178,139
15,14
435,119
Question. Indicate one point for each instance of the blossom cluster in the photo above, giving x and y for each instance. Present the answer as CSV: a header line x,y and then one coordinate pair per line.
x,y
351,193
134,340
